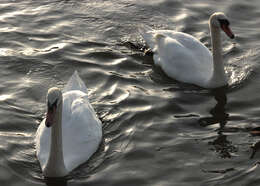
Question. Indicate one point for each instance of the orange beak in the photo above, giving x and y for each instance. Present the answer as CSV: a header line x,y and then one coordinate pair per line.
x,y
228,31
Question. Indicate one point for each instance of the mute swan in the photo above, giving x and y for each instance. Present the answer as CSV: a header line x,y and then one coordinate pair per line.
x,y
71,131
184,58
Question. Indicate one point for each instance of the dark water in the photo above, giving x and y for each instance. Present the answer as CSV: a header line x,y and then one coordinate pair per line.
x,y
156,131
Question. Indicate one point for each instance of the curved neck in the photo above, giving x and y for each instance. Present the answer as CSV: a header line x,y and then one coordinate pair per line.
x,y
218,78
55,166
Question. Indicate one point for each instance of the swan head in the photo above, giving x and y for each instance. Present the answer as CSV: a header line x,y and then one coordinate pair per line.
x,y
54,99
220,20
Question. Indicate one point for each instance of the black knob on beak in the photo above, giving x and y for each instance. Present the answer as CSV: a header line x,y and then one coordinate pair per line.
x,y
48,124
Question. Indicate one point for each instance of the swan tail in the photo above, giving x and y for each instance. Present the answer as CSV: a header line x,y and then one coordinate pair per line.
x,y
148,35
158,38
75,83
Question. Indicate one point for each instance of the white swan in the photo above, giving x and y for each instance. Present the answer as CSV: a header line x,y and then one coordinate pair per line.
x,y
184,58
71,132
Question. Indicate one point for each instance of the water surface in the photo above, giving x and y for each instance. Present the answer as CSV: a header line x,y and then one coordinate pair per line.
x,y
157,131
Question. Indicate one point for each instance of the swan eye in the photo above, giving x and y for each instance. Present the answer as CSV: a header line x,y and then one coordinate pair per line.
x,y
50,106
223,22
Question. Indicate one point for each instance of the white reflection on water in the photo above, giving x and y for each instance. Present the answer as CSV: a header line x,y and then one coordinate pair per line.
x,y
239,69
118,61
5,97
26,50
6,52
54,47
180,17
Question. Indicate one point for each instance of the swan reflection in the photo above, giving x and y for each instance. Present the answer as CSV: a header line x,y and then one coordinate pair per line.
x,y
221,144
56,181
218,113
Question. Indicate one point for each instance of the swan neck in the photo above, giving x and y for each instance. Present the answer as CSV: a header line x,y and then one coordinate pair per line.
x,y
55,165
218,78
216,44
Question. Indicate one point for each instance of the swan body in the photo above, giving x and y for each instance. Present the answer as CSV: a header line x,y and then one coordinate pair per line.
x,y
184,58
71,132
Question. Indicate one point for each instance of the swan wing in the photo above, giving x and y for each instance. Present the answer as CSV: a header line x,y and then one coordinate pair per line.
x,y
82,130
42,142
75,83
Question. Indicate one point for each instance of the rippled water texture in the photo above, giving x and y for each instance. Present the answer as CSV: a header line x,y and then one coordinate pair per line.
x,y
157,131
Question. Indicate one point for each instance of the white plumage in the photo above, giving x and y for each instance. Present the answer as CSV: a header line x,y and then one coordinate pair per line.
x,y
184,58
81,130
